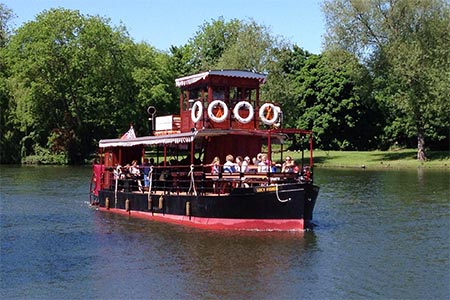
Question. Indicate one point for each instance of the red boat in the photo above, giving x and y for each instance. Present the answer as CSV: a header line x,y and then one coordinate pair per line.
x,y
174,175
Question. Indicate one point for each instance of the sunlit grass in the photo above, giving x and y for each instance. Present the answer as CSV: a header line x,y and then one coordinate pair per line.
x,y
405,158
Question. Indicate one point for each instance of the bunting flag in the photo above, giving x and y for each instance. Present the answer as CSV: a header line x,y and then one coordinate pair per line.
x,y
129,134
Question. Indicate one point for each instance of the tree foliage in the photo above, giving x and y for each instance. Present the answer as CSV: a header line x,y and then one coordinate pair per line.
x,y
67,80
331,100
155,81
9,140
406,45
6,15
234,44
75,79
252,49
211,41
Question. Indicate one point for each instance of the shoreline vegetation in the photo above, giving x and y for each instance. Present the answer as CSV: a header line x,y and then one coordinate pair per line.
x,y
392,159
377,159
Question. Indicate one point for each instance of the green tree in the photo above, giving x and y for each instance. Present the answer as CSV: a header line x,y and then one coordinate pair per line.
x,y
252,50
155,80
281,85
234,44
9,139
406,45
181,62
331,99
6,15
211,41
71,82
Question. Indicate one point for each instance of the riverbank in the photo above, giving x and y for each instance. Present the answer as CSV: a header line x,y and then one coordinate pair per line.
x,y
399,159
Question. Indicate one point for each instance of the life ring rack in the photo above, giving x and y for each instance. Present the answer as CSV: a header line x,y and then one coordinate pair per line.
x,y
196,111
224,107
275,110
240,105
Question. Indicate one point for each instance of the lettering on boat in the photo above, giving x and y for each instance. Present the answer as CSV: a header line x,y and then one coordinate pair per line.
x,y
265,189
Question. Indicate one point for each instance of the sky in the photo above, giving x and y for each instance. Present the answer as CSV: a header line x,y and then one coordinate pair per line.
x,y
165,23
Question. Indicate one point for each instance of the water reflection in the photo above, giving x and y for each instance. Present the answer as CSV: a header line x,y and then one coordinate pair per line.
x,y
210,263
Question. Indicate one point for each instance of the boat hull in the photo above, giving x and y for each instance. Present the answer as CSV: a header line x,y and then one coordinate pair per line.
x,y
276,207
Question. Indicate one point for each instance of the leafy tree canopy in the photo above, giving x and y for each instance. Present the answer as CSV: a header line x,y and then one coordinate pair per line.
x,y
329,100
406,44
75,78
234,44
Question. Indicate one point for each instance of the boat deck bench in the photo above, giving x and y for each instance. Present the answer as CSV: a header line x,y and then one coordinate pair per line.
x,y
225,176
255,178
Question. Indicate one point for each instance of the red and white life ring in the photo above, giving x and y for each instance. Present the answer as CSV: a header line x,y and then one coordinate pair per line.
x,y
271,110
224,111
196,111
238,117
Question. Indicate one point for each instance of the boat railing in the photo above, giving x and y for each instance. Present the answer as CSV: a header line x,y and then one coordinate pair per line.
x,y
198,179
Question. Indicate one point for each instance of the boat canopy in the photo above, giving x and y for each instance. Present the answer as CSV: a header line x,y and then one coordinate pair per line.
x,y
187,137
188,80
177,138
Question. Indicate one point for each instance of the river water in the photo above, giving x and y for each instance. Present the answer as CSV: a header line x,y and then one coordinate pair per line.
x,y
379,234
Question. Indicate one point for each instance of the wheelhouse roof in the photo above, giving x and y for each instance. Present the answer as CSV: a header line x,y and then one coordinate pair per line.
x,y
188,80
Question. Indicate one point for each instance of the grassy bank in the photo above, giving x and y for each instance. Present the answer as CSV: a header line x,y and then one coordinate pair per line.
x,y
378,159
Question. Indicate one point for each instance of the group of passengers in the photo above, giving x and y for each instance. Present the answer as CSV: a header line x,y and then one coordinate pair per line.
x,y
129,171
260,163
135,172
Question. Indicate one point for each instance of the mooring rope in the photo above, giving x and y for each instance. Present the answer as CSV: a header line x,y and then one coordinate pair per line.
x,y
192,185
116,177
278,196
115,192
150,178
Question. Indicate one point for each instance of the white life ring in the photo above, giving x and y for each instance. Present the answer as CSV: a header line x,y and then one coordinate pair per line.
x,y
196,111
224,107
250,112
271,108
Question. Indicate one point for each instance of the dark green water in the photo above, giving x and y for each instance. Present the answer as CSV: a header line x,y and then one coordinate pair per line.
x,y
379,234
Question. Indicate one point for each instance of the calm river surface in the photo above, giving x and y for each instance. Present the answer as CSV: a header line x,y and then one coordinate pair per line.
x,y
379,234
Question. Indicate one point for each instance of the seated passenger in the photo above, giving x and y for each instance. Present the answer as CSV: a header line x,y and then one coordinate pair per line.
x,y
126,172
273,166
263,164
239,164
245,165
215,165
229,165
288,165
306,174
146,170
118,174
134,169
136,174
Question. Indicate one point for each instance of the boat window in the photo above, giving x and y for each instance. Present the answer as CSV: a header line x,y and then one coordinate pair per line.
x,y
250,94
219,93
235,93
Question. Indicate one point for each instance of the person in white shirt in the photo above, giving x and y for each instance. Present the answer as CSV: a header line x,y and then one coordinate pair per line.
x,y
229,165
263,164
245,163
